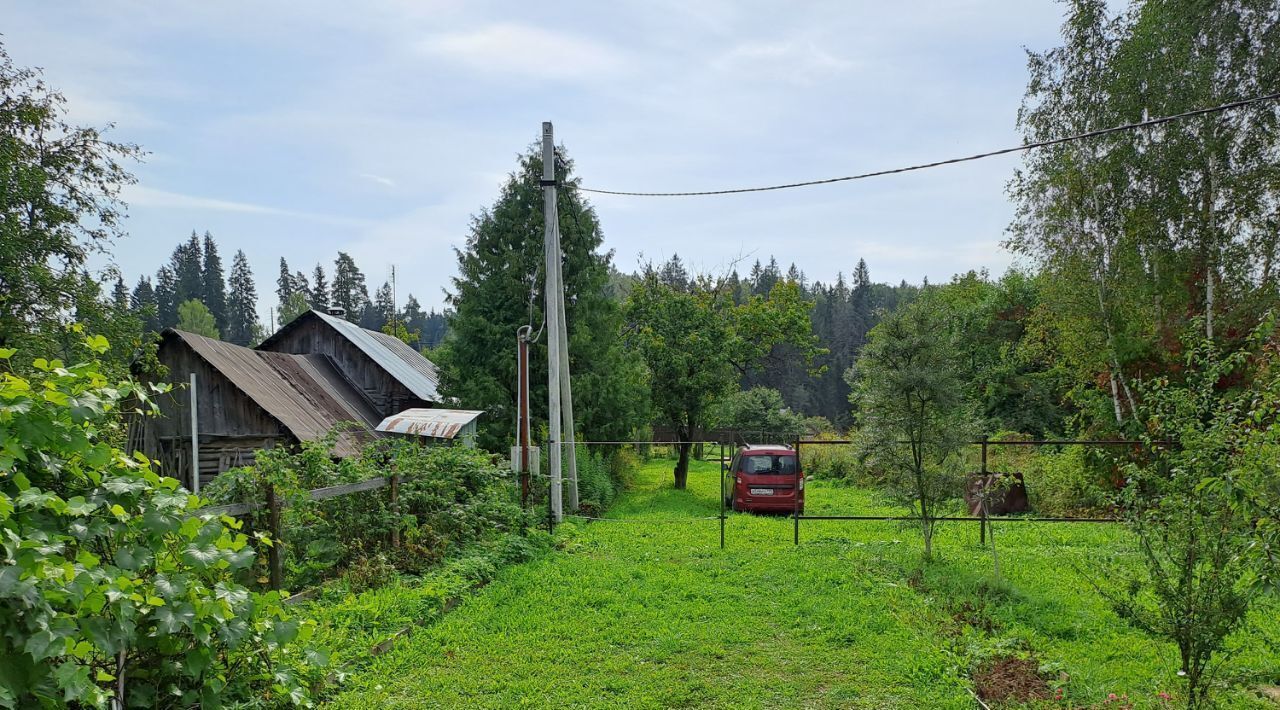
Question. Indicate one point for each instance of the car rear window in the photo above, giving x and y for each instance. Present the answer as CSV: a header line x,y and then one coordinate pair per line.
x,y
768,464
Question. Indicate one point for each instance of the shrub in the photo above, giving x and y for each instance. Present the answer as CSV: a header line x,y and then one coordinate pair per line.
x,y
449,496
832,461
107,580
596,488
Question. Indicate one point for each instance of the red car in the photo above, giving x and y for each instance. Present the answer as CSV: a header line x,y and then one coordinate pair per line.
x,y
764,478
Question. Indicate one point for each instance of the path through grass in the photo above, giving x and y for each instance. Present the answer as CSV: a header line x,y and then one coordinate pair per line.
x,y
646,611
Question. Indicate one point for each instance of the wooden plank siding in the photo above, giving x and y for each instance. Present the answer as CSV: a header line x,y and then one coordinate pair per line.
x,y
384,393
232,426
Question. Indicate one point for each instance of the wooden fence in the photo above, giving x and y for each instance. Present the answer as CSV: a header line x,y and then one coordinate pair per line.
x,y
274,506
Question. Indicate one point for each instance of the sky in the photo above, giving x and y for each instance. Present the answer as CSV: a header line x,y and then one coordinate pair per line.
x,y
378,128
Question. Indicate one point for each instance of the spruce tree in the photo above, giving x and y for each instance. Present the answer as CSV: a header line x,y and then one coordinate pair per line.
x,y
242,303
120,294
302,286
188,271
215,287
383,308
499,267
349,290
284,282
144,305
166,292
319,289
414,319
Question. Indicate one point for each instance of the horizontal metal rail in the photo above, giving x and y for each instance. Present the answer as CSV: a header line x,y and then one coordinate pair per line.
x,y
1032,442
959,518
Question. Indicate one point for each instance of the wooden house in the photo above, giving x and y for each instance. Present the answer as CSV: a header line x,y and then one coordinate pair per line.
x,y
389,374
317,373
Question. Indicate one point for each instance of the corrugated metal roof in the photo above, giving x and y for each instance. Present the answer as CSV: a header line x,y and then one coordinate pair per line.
x,y
392,354
437,423
286,387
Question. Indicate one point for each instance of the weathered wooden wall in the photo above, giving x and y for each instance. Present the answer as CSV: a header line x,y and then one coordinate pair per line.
x,y
231,425
382,391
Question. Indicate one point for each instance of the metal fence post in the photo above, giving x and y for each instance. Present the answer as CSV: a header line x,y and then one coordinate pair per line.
x,y
982,481
795,496
722,495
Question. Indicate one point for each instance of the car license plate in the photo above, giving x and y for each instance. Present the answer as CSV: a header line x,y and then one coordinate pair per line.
x,y
761,491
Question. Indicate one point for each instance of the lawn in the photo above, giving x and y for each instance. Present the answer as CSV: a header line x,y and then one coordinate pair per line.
x,y
645,610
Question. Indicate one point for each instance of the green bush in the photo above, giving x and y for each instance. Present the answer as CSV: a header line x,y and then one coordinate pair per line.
x,y
1061,481
596,486
107,579
837,462
449,497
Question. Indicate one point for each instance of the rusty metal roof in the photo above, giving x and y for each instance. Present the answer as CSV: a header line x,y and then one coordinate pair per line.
x,y
294,389
436,423
392,354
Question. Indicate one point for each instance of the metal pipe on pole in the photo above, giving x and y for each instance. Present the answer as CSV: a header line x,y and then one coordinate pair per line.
x,y
522,407
552,308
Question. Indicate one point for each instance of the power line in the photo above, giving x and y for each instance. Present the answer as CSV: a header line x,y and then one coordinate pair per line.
x,y
937,163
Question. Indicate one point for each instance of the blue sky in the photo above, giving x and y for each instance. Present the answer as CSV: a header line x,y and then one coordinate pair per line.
x,y
379,127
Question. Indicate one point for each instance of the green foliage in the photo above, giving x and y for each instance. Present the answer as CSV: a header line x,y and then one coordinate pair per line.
x,y
597,483
60,204
1139,232
194,317
448,497
907,391
499,289
348,291
760,410
243,327
837,462
108,576
696,342
1197,541
294,305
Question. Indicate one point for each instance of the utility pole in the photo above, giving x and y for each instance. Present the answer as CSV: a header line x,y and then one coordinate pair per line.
x,y
552,307
566,387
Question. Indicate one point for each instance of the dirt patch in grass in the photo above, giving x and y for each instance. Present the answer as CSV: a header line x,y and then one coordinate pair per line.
x,y
970,613
1007,680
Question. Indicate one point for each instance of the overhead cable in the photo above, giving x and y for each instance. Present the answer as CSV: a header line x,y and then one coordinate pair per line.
x,y
938,163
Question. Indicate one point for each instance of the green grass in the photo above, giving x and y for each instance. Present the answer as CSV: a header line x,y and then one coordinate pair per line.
x,y
647,611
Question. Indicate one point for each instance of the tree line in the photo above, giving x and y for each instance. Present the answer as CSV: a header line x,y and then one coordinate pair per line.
x,y
190,293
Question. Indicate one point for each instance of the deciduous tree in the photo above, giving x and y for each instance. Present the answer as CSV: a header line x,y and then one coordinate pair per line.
x,y
59,204
696,344
907,392
194,317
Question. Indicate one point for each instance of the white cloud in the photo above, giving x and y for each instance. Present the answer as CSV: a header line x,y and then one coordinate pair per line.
x,y
797,61
525,51
381,180
139,196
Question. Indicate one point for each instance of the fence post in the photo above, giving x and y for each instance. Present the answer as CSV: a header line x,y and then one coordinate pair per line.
x,y
722,495
795,496
395,511
982,482
275,559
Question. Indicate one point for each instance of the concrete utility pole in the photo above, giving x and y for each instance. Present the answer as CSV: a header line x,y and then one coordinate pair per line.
x,y
552,308
566,387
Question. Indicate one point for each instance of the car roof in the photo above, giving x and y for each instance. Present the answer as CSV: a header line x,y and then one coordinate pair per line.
x,y
768,449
